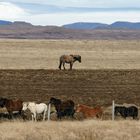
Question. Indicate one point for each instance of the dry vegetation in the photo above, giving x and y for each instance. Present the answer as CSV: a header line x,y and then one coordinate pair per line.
x,y
44,54
98,85
83,130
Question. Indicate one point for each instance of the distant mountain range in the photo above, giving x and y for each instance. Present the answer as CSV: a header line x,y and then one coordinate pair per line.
x,y
3,22
80,30
86,25
115,25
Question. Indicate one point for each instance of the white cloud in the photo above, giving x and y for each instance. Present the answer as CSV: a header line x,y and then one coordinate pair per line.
x,y
12,12
9,11
84,3
65,18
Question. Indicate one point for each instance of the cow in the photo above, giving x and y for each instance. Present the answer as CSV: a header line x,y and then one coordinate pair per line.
x,y
70,59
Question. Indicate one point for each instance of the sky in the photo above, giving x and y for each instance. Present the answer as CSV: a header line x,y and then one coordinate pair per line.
x,y
60,12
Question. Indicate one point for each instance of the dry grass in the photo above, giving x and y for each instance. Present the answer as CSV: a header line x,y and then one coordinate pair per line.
x,y
44,54
85,130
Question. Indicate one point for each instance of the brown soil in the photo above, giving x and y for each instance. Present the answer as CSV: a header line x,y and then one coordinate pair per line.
x,y
91,87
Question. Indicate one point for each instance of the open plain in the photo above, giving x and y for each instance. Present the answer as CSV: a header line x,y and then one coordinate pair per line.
x,y
110,70
44,54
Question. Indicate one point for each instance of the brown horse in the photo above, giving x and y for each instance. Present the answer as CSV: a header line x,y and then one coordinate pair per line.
x,y
70,59
63,108
89,112
11,105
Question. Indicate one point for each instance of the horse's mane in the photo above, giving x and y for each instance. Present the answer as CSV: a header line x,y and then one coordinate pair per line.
x,y
85,106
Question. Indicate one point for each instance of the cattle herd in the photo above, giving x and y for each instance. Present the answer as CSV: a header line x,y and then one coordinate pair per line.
x,y
63,109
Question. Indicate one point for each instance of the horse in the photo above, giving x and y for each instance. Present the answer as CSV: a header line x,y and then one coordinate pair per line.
x,y
65,108
11,105
89,112
70,59
131,111
35,109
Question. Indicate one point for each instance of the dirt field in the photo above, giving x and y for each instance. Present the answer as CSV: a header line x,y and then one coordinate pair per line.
x,y
91,87
44,54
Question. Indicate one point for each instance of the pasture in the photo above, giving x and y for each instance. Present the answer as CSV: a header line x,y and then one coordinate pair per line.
x,y
71,130
44,54
109,71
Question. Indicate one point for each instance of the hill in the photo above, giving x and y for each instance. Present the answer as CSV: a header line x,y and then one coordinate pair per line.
x,y
84,25
3,22
125,25
115,25
23,30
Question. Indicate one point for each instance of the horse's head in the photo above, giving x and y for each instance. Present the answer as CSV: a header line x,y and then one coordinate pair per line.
x,y
25,106
2,102
119,109
54,101
77,58
78,108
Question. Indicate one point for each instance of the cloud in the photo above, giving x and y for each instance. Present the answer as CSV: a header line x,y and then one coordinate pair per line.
x,y
41,14
84,3
65,18
9,11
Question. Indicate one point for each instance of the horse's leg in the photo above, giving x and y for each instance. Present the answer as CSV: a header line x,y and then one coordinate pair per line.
x,y
21,114
10,114
32,117
72,114
71,64
64,65
44,114
60,65
35,117
59,115
99,115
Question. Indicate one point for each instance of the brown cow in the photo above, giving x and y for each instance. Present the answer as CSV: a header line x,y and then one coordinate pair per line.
x,y
89,112
70,59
